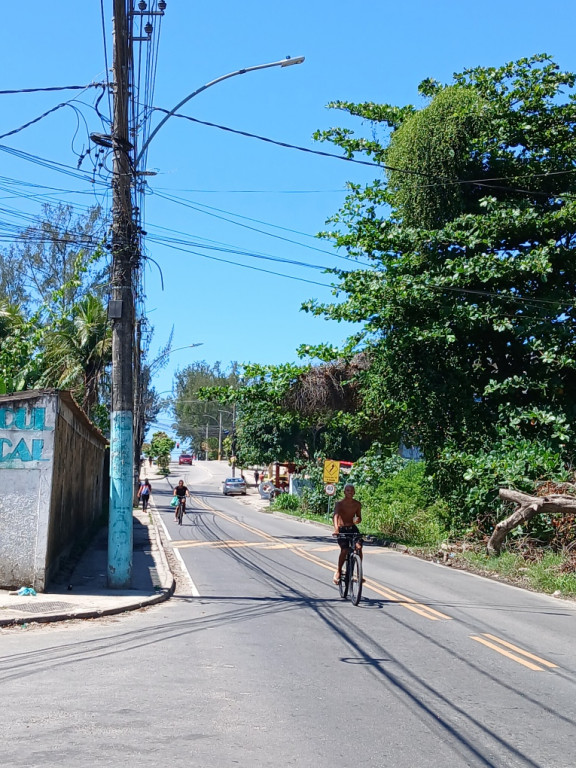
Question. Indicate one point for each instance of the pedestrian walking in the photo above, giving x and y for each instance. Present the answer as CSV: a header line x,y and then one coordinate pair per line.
x,y
144,493
256,476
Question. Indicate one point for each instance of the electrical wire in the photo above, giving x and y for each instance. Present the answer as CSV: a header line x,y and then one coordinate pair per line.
x,y
246,266
253,229
55,88
408,171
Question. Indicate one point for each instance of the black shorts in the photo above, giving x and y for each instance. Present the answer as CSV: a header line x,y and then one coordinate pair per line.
x,y
345,543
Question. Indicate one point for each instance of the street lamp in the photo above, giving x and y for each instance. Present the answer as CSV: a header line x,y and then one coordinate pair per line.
x,y
121,306
287,62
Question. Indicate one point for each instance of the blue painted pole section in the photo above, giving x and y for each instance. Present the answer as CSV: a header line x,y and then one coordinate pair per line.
x,y
120,526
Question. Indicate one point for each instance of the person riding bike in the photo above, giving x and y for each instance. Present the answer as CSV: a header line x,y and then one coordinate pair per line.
x,y
347,512
181,491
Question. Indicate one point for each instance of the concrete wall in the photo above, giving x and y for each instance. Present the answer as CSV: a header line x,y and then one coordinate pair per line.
x,y
52,483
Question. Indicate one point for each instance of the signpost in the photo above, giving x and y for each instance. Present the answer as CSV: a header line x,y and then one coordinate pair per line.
x,y
329,489
331,473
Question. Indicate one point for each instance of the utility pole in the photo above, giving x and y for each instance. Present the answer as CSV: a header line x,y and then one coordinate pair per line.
x,y
219,435
121,313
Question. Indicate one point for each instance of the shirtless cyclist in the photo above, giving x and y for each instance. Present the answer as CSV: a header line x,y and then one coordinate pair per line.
x,y
347,512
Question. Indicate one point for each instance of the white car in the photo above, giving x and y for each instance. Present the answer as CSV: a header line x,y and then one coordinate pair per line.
x,y
234,485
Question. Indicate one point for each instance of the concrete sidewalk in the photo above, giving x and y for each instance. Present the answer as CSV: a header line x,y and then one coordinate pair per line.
x,y
80,591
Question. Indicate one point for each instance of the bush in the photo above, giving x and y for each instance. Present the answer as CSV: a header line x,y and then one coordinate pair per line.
x,y
286,501
401,508
470,481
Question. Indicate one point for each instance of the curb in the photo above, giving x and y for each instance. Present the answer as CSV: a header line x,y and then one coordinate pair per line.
x,y
164,593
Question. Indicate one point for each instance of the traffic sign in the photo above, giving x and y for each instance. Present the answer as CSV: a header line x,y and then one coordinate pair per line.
x,y
331,472
330,489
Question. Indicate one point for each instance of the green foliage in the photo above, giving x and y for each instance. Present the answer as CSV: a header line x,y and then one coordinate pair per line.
x,y
160,448
286,501
377,464
436,143
196,410
468,304
401,508
470,481
20,340
78,351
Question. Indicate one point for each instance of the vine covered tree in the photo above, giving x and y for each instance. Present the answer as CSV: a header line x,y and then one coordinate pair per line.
x,y
468,305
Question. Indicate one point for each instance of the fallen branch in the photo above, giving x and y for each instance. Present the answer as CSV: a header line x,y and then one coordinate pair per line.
x,y
528,507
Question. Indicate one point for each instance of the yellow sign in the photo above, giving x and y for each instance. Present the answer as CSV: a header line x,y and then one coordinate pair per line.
x,y
331,471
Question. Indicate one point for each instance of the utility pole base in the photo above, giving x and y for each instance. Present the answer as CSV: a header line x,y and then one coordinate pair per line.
x,y
120,526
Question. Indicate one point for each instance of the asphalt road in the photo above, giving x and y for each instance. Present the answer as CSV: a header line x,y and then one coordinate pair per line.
x,y
257,662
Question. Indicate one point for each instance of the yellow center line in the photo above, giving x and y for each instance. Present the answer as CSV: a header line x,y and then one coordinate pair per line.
x,y
220,544
393,596
520,650
507,653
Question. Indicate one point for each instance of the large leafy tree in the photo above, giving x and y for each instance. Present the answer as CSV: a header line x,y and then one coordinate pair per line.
x,y
196,415
468,305
297,413
45,257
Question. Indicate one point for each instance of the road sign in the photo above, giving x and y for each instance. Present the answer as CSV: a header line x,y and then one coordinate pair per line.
x,y
331,472
330,489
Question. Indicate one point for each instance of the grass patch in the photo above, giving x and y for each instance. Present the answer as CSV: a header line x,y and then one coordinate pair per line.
x,y
546,573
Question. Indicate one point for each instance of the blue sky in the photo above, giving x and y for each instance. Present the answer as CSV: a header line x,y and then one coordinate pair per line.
x,y
368,51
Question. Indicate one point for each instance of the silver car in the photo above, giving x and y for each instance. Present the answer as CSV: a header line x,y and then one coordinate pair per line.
x,y
234,485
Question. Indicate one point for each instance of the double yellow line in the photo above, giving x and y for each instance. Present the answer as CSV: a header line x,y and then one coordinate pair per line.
x,y
510,651
520,656
396,597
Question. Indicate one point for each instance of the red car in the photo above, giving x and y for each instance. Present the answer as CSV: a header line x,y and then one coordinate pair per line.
x,y
185,458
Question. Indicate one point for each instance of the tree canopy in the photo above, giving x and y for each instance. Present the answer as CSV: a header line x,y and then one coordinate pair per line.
x,y
468,304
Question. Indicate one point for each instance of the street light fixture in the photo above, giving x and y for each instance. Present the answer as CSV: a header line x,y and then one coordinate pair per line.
x,y
287,62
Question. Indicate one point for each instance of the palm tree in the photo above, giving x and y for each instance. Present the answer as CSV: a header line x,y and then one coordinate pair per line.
x,y
78,351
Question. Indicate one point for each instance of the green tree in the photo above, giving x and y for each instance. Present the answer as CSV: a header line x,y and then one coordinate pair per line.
x,y
468,305
160,448
193,412
78,350
20,360
45,257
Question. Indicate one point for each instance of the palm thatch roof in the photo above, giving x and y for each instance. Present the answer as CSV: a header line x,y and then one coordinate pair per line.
x,y
329,387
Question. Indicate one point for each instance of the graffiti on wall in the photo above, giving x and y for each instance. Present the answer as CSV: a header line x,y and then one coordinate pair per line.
x,y
16,447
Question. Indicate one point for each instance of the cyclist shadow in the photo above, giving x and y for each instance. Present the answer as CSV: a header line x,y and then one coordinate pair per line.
x,y
375,603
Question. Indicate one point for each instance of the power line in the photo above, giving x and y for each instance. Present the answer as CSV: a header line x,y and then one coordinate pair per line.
x,y
246,266
55,88
408,171
186,204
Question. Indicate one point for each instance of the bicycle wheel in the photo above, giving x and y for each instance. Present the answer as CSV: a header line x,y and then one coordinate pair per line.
x,y
355,578
180,513
343,583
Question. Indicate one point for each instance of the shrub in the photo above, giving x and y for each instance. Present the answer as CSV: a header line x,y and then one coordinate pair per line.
x,y
401,508
286,501
470,481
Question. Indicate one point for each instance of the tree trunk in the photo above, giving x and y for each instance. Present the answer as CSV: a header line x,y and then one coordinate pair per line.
x,y
528,507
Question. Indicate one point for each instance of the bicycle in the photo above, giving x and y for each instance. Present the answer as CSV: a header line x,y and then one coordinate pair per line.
x,y
351,579
180,510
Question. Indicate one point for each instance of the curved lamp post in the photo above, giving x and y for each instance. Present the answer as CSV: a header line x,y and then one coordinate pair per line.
x,y
287,62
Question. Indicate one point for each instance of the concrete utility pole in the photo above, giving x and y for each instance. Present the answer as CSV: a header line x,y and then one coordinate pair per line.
x,y
121,312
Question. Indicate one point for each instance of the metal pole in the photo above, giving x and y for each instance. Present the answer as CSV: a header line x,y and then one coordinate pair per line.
x,y
234,439
121,312
207,424
219,435
283,63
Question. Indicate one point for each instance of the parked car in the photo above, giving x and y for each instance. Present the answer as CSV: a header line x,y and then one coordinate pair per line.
x,y
234,485
185,458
